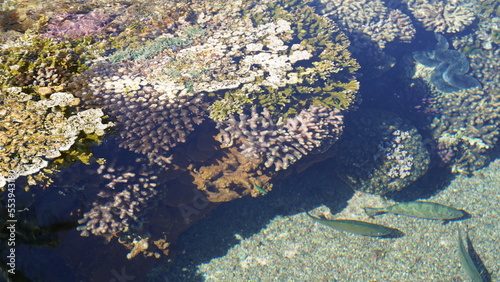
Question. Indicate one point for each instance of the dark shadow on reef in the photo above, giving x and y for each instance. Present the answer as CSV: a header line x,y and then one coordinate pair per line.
x,y
214,236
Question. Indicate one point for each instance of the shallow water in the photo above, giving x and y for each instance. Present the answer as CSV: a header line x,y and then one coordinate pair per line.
x,y
196,170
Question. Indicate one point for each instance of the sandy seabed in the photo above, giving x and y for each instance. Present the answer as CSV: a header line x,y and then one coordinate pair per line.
x,y
271,238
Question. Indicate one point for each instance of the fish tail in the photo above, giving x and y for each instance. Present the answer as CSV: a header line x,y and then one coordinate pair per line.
x,y
374,211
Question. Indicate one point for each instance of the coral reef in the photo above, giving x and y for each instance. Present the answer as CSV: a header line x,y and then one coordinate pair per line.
x,y
380,153
443,16
156,124
371,19
313,129
35,131
123,201
168,79
467,125
449,66
72,26
282,59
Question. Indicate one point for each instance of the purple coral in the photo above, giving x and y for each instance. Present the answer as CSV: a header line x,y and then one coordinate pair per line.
x,y
151,122
121,203
284,144
73,26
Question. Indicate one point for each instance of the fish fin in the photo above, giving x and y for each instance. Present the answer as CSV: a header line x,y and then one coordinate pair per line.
x,y
371,212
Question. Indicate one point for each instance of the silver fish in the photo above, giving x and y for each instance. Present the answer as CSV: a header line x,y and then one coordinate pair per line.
x,y
466,260
357,227
419,209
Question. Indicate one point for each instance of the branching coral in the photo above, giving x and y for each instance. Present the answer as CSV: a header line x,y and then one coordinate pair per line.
x,y
122,202
156,124
283,144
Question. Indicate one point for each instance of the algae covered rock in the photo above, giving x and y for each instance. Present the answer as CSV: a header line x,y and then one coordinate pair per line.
x,y
380,153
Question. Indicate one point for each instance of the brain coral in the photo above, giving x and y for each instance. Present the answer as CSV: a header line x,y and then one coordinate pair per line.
x,y
380,153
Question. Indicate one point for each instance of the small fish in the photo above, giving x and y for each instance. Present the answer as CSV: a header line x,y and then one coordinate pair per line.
x,y
260,189
466,260
419,209
357,227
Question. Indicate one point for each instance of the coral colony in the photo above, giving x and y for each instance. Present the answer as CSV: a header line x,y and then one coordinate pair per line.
x,y
207,101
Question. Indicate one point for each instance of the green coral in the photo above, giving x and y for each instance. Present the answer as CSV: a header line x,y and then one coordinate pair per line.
x,y
140,51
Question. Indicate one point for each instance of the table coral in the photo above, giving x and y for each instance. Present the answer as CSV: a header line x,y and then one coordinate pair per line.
x,y
36,131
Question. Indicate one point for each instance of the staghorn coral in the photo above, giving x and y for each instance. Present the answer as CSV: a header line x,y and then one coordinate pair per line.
x,y
371,19
380,153
443,16
36,131
313,129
